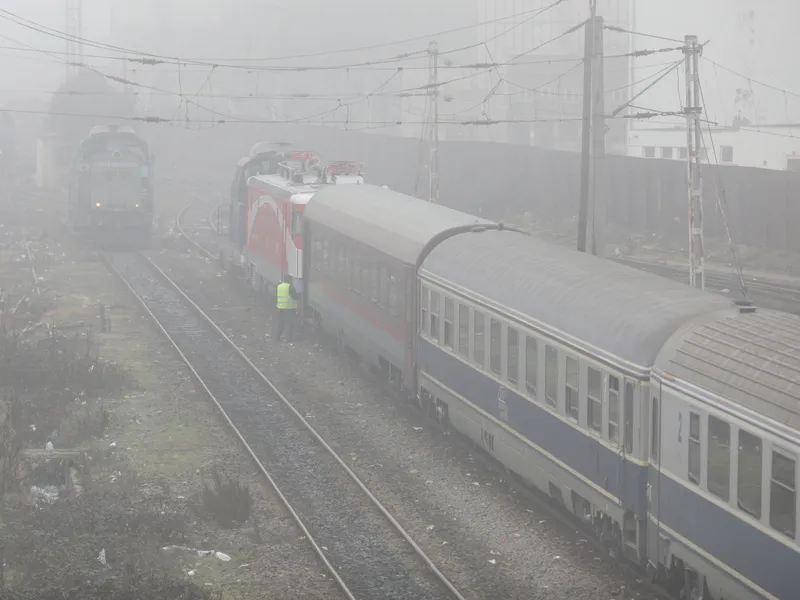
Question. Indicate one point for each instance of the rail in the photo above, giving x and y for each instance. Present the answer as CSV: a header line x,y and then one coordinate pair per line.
x,y
162,303
179,227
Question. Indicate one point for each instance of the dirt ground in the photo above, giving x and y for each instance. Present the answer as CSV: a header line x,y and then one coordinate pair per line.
x,y
162,440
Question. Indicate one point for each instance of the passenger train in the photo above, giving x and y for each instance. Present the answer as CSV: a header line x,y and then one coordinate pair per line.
x,y
666,418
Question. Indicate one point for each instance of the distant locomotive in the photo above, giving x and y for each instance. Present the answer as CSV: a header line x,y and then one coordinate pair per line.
x,y
111,186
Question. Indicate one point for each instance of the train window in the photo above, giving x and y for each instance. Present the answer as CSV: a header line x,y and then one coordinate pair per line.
x,y
629,417
613,410
383,299
342,268
571,389
363,276
750,473
374,279
719,458
317,255
325,256
479,323
654,434
423,314
694,448
551,376
531,365
394,298
463,330
594,406
355,275
495,341
348,267
297,223
435,316
512,358
449,317
782,501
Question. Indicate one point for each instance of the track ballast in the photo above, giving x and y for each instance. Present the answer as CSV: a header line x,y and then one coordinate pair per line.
x,y
364,548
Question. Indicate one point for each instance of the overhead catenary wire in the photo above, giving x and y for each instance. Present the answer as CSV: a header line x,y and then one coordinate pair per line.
x,y
11,16
639,33
152,58
722,199
251,121
751,80
664,73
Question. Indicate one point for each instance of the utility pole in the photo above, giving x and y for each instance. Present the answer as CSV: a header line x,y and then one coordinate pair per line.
x,y
597,190
591,210
74,29
694,142
433,130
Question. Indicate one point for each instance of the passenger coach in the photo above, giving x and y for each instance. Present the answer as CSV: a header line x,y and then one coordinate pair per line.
x,y
542,355
666,417
366,245
725,438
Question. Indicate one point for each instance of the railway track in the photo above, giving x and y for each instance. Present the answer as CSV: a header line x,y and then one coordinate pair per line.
x,y
363,547
184,231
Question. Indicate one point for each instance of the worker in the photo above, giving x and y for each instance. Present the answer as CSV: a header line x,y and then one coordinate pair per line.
x,y
287,307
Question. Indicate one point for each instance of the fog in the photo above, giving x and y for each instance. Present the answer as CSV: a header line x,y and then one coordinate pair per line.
x,y
752,39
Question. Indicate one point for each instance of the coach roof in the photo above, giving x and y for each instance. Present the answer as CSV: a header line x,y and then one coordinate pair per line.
x,y
620,311
395,224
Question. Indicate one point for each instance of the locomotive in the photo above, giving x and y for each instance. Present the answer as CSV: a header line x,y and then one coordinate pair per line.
x,y
267,212
111,187
263,159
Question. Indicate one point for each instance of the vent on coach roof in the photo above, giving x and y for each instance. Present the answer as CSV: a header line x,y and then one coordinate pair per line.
x,y
745,306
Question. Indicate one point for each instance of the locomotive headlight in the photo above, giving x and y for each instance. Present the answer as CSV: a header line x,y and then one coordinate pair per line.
x,y
98,204
137,206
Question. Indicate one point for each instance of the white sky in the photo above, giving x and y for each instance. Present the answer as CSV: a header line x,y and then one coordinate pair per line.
x,y
230,28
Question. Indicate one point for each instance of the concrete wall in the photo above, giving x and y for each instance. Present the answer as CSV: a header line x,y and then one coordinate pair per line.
x,y
503,180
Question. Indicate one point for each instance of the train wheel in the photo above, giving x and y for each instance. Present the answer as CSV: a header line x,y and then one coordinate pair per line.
x,y
441,414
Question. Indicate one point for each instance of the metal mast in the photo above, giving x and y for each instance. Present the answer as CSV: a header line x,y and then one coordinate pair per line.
x,y
433,131
694,143
591,209
74,31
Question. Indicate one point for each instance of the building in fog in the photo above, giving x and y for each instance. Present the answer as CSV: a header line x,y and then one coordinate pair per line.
x,y
768,147
542,92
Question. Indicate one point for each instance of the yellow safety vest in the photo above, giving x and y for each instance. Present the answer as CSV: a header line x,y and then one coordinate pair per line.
x,y
285,300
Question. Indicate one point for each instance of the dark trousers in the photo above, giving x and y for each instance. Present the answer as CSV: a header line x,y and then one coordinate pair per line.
x,y
284,322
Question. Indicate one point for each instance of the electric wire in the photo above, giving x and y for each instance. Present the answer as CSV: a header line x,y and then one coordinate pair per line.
x,y
721,198
11,16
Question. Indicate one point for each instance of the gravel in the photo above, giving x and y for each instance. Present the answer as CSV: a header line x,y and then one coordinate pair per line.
x,y
165,433
489,540
369,555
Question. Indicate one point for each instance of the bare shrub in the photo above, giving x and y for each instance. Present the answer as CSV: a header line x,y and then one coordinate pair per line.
x,y
59,543
133,583
84,421
228,501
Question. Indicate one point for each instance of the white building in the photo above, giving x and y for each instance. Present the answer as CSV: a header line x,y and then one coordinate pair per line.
x,y
771,147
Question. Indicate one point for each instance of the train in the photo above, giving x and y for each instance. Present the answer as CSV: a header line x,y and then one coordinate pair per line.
x,y
269,193
111,191
263,159
665,418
